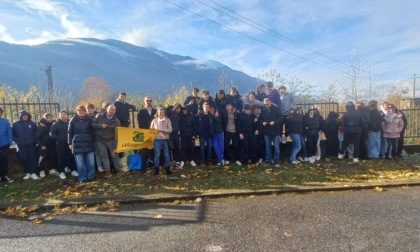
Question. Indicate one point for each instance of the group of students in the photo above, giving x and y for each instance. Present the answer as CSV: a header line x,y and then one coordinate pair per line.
x,y
237,129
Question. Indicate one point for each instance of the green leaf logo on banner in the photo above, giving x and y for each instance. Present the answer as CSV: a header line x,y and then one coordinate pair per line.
x,y
138,137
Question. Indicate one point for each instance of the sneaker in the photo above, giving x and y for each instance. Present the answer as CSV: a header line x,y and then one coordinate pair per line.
x,y
306,159
317,158
193,164
295,162
54,171
355,160
100,169
340,156
181,164
108,174
227,162
7,179
62,175
238,162
74,173
277,165
66,169
34,176
260,160
300,159
27,176
312,160
42,174
219,163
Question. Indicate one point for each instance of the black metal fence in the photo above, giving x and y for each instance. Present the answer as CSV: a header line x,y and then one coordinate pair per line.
x,y
35,108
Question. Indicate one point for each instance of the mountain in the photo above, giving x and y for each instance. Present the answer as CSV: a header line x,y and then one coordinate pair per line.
x,y
124,66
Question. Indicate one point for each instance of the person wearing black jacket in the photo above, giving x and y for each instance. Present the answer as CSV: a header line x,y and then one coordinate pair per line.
x,y
81,140
248,131
46,145
294,129
24,135
271,119
123,109
331,134
374,130
205,131
145,116
363,151
205,97
192,101
311,126
59,132
352,121
235,99
187,130
174,136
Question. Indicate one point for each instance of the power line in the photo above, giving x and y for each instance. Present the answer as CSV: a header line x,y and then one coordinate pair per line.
x,y
250,37
268,31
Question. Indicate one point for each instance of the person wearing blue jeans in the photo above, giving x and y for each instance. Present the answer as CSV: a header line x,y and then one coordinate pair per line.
x,y
218,139
163,127
271,118
294,129
81,140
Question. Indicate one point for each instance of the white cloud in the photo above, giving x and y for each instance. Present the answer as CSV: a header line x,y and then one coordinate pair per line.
x,y
137,36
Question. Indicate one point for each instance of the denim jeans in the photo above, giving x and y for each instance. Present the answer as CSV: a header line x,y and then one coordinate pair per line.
x,y
384,145
85,163
276,142
296,146
158,145
206,143
302,151
374,144
218,145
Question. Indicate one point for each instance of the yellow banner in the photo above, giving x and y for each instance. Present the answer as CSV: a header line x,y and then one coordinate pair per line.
x,y
134,139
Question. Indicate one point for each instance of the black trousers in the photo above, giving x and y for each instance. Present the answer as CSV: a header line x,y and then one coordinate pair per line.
x,y
353,138
187,148
64,157
4,161
311,144
332,144
231,146
391,148
176,151
248,148
49,155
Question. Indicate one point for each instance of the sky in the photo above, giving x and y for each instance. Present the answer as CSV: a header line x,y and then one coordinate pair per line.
x,y
316,40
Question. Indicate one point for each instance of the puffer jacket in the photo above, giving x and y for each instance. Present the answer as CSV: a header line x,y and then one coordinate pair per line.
x,y
107,134
269,115
59,132
392,126
166,126
81,135
352,119
43,137
312,124
187,124
294,124
24,132
6,137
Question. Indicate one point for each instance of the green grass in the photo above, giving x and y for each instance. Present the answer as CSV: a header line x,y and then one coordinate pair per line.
x,y
210,178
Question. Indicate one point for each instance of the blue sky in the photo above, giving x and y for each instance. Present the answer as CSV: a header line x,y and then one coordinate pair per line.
x,y
309,39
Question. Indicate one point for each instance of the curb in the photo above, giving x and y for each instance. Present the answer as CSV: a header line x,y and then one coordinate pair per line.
x,y
168,198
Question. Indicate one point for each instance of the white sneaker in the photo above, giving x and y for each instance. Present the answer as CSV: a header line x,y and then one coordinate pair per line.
x,y
74,173
193,164
181,164
100,169
300,159
219,163
42,174
62,175
295,162
317,158
227,162
53,171
312,160
34,176
238,162
27,176
66,169
260,160
340,156
306,159
355,160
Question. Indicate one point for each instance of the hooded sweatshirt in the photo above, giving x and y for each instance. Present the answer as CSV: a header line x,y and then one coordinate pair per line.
x,y
24,132
352,119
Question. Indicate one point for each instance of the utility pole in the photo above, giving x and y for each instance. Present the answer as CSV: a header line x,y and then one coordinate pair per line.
x,y
414,90
48,73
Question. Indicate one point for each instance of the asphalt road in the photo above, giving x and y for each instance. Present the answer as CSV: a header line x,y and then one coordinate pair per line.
x,y
338,221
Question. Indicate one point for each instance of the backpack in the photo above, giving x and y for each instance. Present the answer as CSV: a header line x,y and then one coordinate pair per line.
x,y
134,162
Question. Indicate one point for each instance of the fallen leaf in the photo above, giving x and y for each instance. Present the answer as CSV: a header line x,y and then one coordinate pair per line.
x,y
176,202
287,234
378,189
198,200
159,216
37,221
